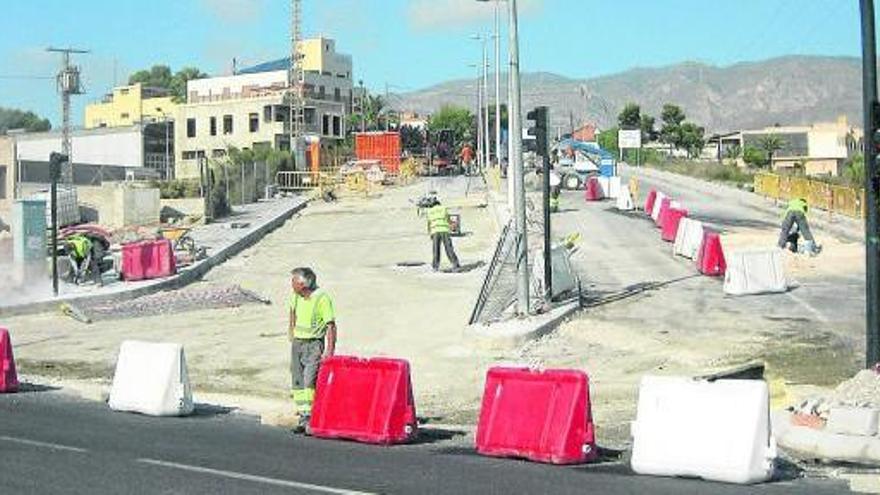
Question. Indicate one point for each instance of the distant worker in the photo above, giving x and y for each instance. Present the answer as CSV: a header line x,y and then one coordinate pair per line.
x,y
83,259
555,190
795,225
438,228
312,334
467,157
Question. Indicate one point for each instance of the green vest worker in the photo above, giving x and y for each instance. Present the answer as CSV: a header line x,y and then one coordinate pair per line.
x,y
794,225
312,333
438,227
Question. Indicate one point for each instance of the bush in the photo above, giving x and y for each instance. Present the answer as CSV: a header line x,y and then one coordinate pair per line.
x,y
178,188
709,171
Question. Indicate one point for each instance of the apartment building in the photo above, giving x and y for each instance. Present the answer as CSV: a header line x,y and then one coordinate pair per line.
x,y
248,110
128,105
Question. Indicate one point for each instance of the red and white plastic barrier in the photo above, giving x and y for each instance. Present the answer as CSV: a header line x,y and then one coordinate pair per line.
x,y
8,377
542,416
366,400
755,272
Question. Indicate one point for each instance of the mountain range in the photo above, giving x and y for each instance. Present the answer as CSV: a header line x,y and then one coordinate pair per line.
x,y
790,90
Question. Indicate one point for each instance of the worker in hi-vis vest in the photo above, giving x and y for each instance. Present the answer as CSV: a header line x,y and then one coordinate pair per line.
x,y
312,333
438,227
795,225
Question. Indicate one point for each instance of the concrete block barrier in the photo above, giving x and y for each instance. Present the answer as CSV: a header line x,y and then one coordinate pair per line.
x,y
717,430
625,200
152,379
8,377
754,272
366,400
859,421
542,416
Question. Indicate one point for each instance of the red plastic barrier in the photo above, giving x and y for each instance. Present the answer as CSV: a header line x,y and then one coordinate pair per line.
x,y
542,416
649,202
710,257
148,259
593,190
670,223
368,400
8,378
665,204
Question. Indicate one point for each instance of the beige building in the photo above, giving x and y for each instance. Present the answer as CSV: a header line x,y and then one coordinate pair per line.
x,y
247,110
7,174
129,105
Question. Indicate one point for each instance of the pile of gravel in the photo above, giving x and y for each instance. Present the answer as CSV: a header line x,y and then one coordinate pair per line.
x,y
862,390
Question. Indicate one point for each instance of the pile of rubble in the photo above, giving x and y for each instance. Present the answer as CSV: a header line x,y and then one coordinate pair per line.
x,y
862,390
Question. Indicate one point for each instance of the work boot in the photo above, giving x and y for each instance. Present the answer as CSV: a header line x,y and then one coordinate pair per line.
x,y
302,425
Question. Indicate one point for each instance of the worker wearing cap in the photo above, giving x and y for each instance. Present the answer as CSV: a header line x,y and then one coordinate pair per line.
x,y
438,228
794,224
312,333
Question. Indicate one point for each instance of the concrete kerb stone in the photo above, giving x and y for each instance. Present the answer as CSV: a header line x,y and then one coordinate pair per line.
x,y
510,334
810,443
175,282
846,228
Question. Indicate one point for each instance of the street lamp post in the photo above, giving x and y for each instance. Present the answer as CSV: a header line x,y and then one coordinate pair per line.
x,y
497,37
479,114
486,147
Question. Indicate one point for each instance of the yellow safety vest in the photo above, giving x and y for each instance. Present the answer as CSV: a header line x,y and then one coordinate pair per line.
x,y
312,314
797,205
438,220
81,245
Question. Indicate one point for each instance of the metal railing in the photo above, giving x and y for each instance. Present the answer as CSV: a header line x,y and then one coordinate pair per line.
x,y
849,201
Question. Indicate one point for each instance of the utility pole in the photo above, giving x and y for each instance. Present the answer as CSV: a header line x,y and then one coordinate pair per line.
x,y
872,184
486,142
497,83
69,83
479,117
295,82
516,164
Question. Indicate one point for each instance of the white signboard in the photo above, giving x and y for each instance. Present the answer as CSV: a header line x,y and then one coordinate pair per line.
x,y
629,139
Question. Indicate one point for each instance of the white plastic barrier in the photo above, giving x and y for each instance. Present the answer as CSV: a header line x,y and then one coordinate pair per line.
x,y
655,211
625,200
712,430
688,238
610,186
754,272
151,378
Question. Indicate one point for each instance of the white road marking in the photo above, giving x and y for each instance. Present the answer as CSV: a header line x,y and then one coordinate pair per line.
x,y
818,314
250,477
34,443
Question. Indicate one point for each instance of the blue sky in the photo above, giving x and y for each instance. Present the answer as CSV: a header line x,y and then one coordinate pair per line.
x,y
408,44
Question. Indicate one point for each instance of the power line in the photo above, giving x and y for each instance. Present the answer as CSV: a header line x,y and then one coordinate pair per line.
x,y
18,76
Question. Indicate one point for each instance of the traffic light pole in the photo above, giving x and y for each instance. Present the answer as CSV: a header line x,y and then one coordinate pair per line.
x,y
872,185
548,255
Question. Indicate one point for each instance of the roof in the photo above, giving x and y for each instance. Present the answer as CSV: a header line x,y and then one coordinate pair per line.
x,y
271,66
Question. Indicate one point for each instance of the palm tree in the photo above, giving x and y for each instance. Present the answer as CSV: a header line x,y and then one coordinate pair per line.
x,y
771,143
373,107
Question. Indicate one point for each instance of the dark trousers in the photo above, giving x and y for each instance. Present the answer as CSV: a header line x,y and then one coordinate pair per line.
x,y
794,219
444,238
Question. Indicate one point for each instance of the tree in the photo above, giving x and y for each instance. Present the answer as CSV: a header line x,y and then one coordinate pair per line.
x,y
691,138
458,119
373,106
607,140
647,126
160,76
672,117
630,117
11,118
754,157
412,139
770,144
855,170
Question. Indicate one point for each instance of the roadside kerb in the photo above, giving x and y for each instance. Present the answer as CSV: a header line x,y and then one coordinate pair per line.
x,y
845,228
177,281
509,334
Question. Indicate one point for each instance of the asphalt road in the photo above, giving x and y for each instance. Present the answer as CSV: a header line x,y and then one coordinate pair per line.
x,y
51,442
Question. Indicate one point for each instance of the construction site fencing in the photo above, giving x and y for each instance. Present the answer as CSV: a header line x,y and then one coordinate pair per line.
x,y
845,200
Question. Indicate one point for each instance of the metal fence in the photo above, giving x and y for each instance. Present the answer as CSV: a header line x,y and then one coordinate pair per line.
x,y
849,201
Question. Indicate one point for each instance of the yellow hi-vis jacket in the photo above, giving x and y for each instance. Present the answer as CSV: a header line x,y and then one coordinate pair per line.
x,y
438,220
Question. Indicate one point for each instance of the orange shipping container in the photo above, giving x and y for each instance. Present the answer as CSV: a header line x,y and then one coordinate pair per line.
x,y
382,146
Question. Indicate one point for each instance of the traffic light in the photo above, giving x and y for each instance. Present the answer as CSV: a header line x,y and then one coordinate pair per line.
x,y
539,144
56,160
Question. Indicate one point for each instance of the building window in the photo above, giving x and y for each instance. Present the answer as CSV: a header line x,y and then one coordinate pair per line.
x,y
3,182
190,128
267,113
321,92
327,73
218,153
309,116
337,125
189,155
341,76
123,116
254,122
337,94
213,126
327,47
325,128
123,92
227,124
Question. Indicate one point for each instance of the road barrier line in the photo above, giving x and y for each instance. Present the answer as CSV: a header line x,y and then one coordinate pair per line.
x,y
48,445
251,477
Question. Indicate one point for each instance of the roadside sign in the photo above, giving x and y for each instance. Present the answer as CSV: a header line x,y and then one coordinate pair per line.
x,y
629,138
